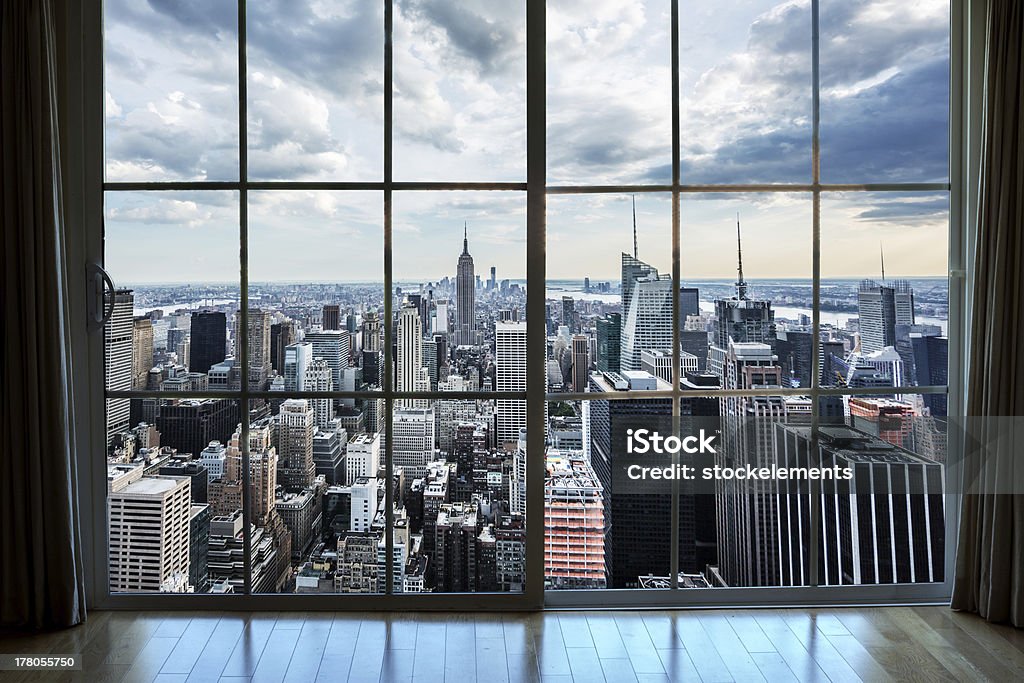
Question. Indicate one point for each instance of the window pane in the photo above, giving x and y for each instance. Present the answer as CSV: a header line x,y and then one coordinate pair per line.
x,y
460,91
884,91
165,482
459,303
316,90
316,291
745,92
885,329
609,93
771,297
316,474
171,101
594,261
885,523
173,257
461,516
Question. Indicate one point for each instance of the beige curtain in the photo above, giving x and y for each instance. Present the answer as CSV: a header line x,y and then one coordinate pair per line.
x,y
989,576
41,577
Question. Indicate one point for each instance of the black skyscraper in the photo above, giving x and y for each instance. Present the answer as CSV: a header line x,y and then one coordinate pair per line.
x,y
209,337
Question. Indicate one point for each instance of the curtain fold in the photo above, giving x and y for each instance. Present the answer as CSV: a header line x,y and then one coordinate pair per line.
x,y
989,575
41,570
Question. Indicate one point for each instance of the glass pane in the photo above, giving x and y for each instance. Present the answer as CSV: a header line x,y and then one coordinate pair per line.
x,y
745,92
460,91
596,255
319,488
316,90
755,296
884,91
884,521
609,93
885,290
459,303
462,498
164,498
316,291
171,100
173,257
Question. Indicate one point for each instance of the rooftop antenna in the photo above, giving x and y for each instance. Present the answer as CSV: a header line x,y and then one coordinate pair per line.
x,y
881,254
635,251
741,286
465,237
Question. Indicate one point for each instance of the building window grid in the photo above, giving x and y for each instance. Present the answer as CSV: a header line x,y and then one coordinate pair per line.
x,y
535,47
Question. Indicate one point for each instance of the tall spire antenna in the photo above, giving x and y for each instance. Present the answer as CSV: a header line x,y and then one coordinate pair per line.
x,y
635,252
881,254
465,237
741,285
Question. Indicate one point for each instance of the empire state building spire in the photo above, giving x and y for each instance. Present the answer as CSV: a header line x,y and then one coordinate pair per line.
x,y
741,285
465,295
465,237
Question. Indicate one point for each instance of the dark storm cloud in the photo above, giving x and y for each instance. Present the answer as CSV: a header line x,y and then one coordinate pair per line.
x,y
495,44
904,208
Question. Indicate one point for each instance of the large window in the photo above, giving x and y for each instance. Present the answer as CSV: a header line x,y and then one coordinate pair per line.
x,y
320,218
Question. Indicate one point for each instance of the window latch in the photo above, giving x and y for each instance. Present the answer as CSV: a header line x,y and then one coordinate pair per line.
x,y
101,307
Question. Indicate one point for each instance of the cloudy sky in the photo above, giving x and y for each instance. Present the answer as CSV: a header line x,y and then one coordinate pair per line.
x,y
315,100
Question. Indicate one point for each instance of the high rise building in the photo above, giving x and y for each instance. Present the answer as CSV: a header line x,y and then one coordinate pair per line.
x,y
297,359
647,317
142,351
580,362
689,303
331,317
739,319
574,525
609,333
746,509
465,297
569,314
931,368
189,425
510,375
281,335
441,316
880,308
413,440
259,347
117,347
363,457
409,369
208,339
148,522
885,525
794,348
333,346
295,427
638,528
319,378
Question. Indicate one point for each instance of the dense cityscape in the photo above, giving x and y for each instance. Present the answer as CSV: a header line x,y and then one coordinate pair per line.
x,y
317,483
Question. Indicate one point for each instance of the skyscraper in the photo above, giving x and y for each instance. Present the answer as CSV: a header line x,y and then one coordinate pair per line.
x,y
295,427
510,375
319,378
647,314
142,351
409,368
331,317
208,337
333,346
580,362
465,296
148,520
297,359
569,313
609,333
117,337
574,524
259,347
740,319
281,335
880,309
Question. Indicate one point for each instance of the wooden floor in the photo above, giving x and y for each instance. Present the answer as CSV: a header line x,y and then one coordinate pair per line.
x,y
920,643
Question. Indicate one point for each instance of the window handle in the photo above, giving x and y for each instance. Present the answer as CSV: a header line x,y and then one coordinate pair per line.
x,y
99,280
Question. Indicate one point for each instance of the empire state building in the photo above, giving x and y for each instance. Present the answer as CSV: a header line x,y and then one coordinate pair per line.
x,y
465,296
